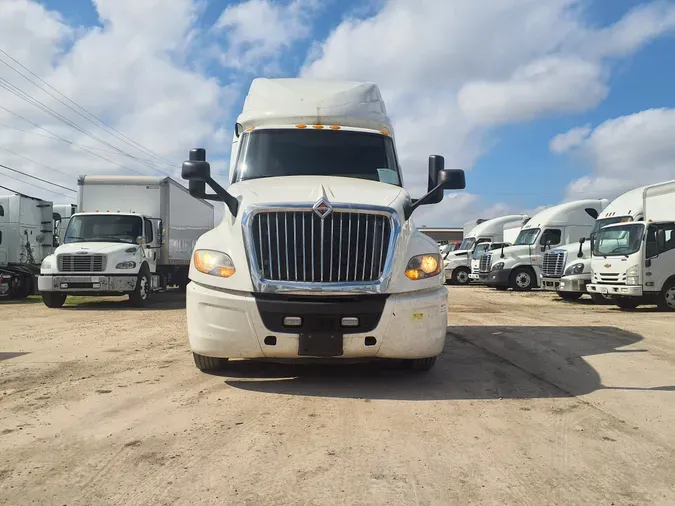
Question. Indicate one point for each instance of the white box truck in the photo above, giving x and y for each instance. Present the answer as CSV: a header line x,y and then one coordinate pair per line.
x,y
567,269
132,235
519,266
317,255
457,264
27,236
634,262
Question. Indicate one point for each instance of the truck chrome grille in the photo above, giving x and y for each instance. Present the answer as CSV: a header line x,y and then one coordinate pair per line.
x,y
485,262
300,246
81,263
554,263
609,278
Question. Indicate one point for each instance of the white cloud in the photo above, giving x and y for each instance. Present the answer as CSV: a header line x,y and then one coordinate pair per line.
x,y
130,73
571,139
257,30
627,152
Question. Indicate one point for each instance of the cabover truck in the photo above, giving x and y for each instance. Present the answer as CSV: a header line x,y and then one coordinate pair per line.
x,y
458,263
519,266
317,255
634,261
132,235
567,269
27,235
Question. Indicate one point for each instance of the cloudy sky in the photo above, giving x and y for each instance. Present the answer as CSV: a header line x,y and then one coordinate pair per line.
x,y
539,101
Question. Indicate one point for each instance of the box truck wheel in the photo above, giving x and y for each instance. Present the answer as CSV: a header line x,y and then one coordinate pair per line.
x,y
139,297
666,300
460,276
420,364
209,363
601,299
627,302
522,279
570,295
54,299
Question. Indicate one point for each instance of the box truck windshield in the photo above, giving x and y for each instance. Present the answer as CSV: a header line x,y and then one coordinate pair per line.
x,y
618,241
301,152
104,228
603,222
527,237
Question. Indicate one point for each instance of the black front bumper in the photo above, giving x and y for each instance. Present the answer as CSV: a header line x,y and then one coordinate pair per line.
x,y
320,314
499,278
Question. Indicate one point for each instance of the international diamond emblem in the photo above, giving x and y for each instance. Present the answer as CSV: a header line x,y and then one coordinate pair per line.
x,y
322,208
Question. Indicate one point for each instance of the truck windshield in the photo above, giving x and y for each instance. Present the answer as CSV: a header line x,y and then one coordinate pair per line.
x,y
480,249
528,237
299,152
467,244
618,241
603,222
104,228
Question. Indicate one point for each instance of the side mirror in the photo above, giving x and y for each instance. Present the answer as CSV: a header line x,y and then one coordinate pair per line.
x,y
198,172
56,241
436,165
452,179
140,240
661,240
581,243
160,233
196,168
439,180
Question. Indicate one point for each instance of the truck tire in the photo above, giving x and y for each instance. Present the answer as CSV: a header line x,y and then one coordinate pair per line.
x,y
666,299
420,364
627,303
206,364
501,288
460,276
522,279
571,296
601,300
54,299
20,287
139,297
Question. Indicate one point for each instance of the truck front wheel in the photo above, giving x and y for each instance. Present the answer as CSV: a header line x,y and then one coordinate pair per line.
x,y
206,364
522,279
139,297
571,296
601,299
420,364
627,302
54,299
460,276
666,300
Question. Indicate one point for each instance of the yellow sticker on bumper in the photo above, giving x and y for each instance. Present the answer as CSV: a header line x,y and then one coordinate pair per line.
x,y
418,317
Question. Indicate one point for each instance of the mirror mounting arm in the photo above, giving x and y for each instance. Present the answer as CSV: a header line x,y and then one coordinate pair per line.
x,y
421,201
224,196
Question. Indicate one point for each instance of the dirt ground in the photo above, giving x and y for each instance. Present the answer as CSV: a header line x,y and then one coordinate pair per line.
x,y
533,401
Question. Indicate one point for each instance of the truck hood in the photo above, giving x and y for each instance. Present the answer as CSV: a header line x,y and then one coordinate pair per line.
x,y
309,189
519,251
572,250
106,248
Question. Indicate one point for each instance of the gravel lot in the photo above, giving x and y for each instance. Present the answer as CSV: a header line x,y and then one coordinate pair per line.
x,y
534,401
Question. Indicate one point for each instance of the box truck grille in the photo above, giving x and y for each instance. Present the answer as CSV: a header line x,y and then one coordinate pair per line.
x,y
81,263
609,278
485,262
554,263
300,246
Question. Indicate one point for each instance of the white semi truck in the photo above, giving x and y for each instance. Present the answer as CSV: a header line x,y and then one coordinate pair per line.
x,y
132,235
519,266
508,236
317,255
27,235
634,261
458,263
567,269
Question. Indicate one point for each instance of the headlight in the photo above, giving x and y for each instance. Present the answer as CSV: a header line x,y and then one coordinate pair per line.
x,y
632,280
498,266
46,264
423,266
632,271
574,269
126,265
214,263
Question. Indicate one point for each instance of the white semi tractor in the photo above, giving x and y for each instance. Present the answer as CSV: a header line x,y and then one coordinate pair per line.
x,y
132,235
317,255
458,263
28,234
567,269
634,261
519,266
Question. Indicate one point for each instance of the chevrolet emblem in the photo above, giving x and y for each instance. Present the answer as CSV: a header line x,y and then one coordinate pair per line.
x,y
607,266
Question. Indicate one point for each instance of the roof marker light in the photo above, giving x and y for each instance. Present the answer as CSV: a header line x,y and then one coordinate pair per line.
x,y
249,129
335,127
318,127
384,132
300,125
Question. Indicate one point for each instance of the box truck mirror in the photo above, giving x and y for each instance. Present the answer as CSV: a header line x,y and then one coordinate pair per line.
x,y
198,172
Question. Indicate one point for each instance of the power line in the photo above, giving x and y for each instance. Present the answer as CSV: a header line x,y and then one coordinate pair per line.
x,y
35,162
111,130
39,187
37,178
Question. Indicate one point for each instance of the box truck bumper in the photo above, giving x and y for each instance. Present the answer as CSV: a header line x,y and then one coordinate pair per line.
x,y
625,290
240,325
87,284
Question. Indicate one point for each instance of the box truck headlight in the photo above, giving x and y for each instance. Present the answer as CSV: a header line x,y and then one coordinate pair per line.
x,y
632,277
214,263
574,269
125,265
46,264
423,266
498,266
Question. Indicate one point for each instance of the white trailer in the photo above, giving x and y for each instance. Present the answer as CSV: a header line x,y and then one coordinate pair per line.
x,y
519,266
132,235
317,255
458,263
26,237
567,269
634,262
